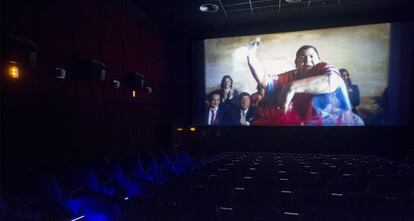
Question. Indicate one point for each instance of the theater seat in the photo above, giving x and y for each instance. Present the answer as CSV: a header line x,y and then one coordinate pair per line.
x,y
325,215
263,212
132,188
55,205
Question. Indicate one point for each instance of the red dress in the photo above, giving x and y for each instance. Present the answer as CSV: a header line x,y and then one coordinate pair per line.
x,y
307,109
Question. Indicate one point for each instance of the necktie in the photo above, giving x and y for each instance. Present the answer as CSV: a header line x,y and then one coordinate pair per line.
x,y
213,117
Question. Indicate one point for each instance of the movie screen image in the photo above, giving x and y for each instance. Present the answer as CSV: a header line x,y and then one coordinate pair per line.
x,y
325,77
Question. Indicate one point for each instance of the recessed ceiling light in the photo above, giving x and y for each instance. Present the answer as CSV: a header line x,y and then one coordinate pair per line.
x,y
293,1
208,8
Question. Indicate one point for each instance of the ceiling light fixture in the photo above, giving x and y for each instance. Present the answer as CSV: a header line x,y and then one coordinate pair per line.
x,y
208,8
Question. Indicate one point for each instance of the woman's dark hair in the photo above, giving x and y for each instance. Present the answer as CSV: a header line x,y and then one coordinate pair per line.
x,y
222,81
349,78
342,70
305,47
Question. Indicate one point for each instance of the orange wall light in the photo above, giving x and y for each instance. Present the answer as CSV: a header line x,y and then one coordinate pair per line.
x,y
12,70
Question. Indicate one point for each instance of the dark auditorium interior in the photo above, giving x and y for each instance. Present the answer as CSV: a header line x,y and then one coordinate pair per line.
x,y
98,106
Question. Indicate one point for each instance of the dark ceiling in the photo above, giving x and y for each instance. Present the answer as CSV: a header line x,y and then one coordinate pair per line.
x,y
185,15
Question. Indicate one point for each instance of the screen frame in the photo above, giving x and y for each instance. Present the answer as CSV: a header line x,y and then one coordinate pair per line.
x,y
399,31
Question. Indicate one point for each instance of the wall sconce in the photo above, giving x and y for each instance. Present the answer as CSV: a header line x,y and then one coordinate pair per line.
x,y
60,73
13,70
135,81
116,84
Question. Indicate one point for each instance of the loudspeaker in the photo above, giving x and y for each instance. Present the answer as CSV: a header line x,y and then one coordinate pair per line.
x,y
89,69
22,51
135,80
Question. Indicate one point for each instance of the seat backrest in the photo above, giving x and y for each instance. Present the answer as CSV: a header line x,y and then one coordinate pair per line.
x,y
50,192
90,180
325,215
118,175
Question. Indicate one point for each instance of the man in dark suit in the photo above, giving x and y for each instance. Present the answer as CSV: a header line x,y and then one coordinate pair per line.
x,y
244,114
214,113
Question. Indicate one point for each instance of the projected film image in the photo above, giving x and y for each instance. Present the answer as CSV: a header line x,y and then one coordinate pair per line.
x,y
325,77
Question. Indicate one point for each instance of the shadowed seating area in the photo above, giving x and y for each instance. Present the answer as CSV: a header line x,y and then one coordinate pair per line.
x,y
223,186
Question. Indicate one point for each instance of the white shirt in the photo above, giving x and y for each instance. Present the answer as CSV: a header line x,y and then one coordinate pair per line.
x,y
227,91
243,113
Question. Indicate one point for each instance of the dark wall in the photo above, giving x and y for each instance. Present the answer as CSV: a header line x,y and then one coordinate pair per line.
x,y
44,117
382,141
